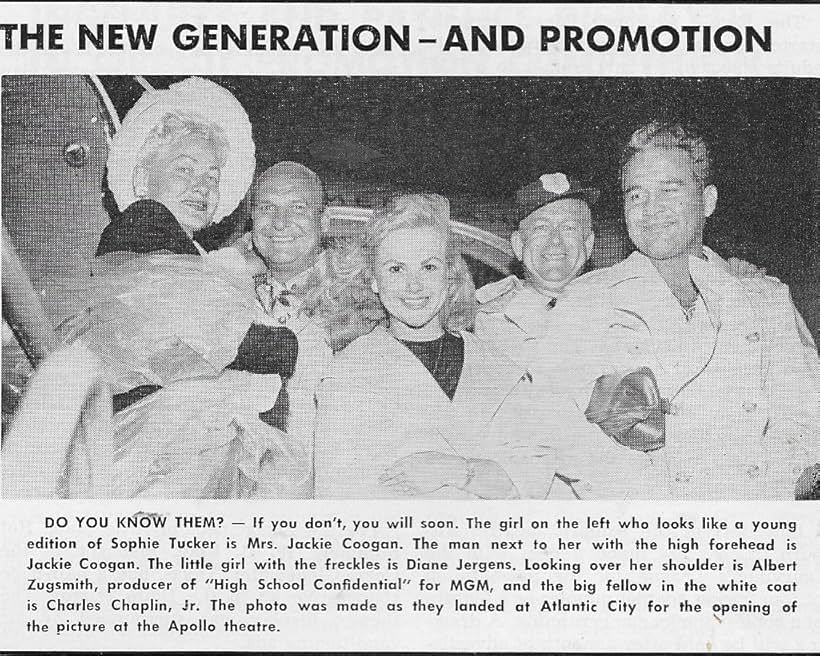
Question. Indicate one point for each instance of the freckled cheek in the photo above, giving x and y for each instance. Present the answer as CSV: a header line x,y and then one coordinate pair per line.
x,y
390,286
436,282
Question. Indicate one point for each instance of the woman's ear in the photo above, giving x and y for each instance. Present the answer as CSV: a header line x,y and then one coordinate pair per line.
x,y
140,181
374,286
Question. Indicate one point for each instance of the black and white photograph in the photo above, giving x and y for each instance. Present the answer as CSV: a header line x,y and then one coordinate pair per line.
x,y
273,287
414,327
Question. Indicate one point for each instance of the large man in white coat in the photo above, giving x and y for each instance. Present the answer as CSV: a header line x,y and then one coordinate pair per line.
x,y
736,410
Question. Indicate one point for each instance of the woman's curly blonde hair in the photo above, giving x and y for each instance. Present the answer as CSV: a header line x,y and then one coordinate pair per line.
x,y
173,127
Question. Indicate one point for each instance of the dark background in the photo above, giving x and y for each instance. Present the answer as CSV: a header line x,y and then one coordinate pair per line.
x,y
483,138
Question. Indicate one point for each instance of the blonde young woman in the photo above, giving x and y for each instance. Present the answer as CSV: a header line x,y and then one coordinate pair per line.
x,y
418,407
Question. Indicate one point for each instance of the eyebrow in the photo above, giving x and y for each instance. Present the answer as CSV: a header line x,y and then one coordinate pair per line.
x,y
432,258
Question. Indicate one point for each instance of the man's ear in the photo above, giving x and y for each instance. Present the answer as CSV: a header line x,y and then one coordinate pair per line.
x,y
140,181
324,221
710,196
517,244
589,242
374,286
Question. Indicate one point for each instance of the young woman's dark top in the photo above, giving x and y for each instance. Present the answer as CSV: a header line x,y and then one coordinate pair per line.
x,y
443,358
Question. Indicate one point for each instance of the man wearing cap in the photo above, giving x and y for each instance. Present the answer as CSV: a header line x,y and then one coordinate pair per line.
x,y
553,242
720,376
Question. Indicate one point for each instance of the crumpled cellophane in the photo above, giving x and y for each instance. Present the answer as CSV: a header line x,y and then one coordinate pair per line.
x,y
203,438
177,321
159,318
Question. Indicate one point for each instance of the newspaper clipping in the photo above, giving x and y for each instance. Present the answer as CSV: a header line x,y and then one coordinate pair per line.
x,y
429,327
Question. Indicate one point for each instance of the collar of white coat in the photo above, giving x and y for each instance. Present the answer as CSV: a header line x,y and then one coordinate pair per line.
x,y
528,310
720,289
487,377
300,280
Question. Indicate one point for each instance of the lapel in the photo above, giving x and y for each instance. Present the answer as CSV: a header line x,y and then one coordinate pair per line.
x,y
528,310
487,379
735,306
639,293
643,303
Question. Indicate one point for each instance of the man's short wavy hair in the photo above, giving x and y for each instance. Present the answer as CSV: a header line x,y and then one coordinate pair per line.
x,y
663,134
173,127
427,211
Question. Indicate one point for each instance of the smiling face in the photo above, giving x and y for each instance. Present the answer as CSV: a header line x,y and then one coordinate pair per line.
x,y
664,204
554,243
287,226
185,178
411,281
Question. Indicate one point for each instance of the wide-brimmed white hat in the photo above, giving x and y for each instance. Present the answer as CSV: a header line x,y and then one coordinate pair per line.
x,y
200,99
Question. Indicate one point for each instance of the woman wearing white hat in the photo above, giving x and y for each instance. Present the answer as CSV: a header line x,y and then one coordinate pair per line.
x,y
174,328
173,170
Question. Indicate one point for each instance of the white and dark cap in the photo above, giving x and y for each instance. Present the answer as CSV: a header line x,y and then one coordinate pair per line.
x,y
551,187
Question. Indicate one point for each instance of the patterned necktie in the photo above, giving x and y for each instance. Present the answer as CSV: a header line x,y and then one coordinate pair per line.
x,y
282,297
269,298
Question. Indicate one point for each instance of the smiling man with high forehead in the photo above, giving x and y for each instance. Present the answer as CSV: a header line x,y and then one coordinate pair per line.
x,y
287,219
553,242
735,368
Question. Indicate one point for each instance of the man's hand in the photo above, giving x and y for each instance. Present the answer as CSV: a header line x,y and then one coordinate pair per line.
x,y
425,471
743,269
